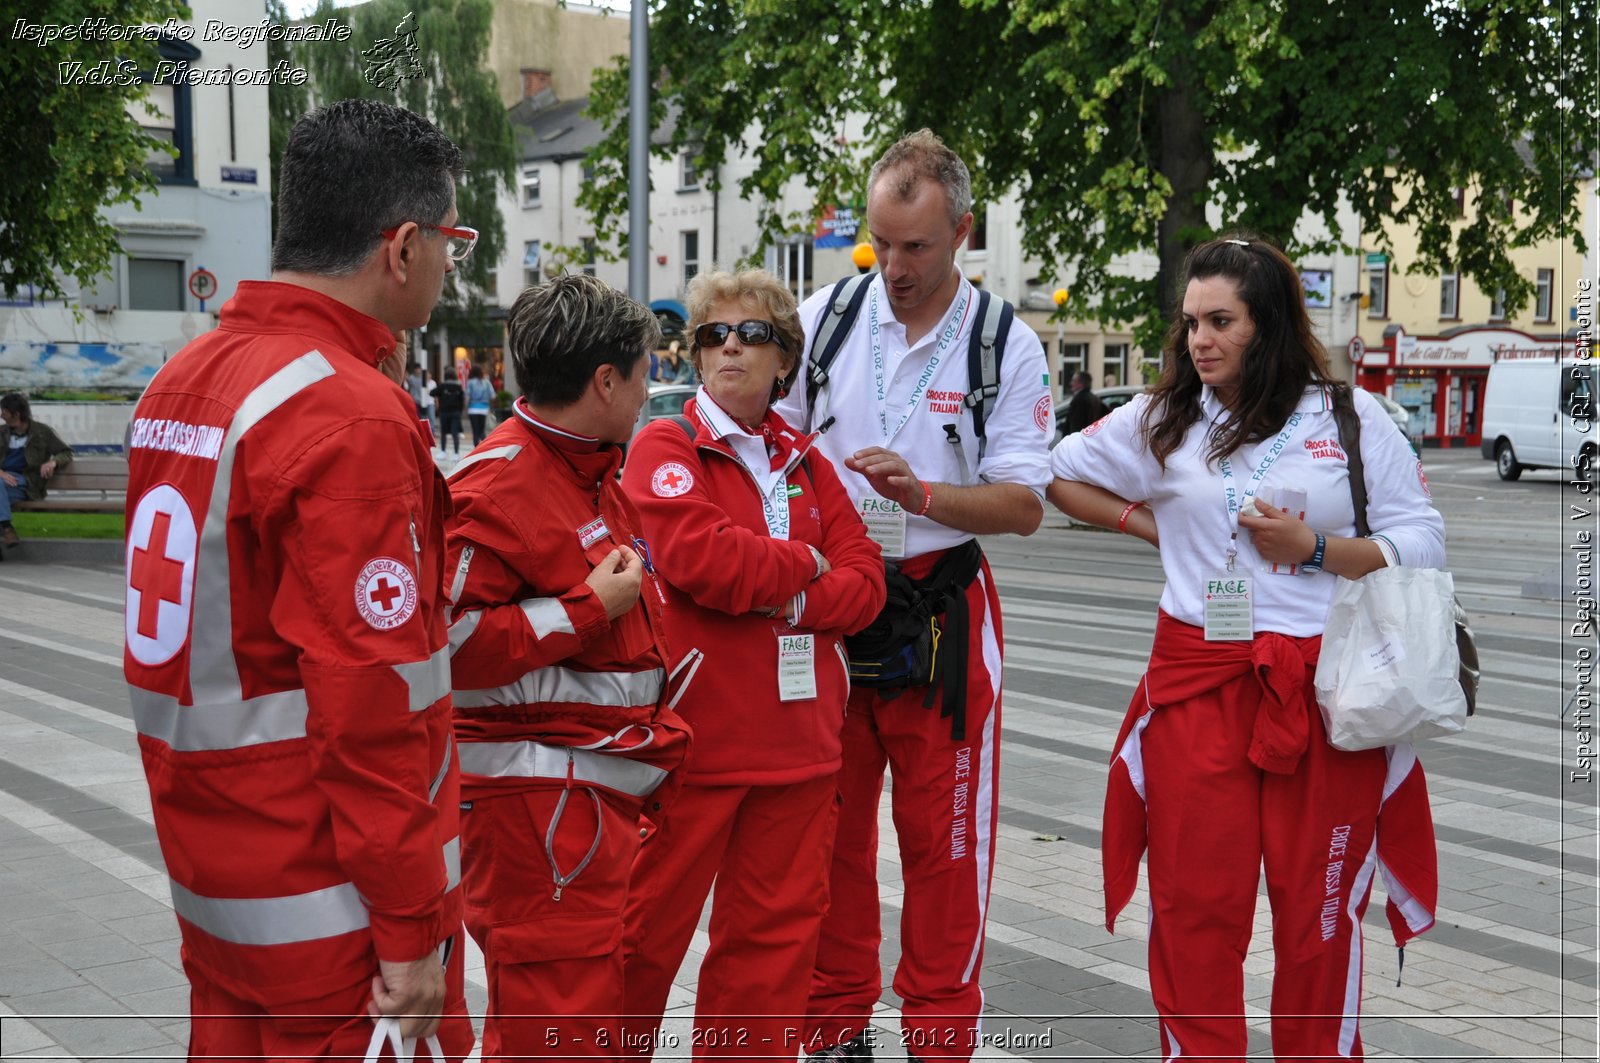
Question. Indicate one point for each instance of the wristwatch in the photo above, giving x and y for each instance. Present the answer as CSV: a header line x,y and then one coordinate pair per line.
x,y
1314,565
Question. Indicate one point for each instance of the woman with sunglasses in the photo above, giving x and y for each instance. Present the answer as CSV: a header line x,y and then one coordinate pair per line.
x,y
766,567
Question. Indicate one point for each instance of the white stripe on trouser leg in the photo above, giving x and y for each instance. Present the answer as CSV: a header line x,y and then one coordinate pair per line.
x,y
1352,974
984,806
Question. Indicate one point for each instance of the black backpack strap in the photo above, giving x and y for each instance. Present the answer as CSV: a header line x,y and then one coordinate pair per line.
x,y
1349,422
832,328
985,347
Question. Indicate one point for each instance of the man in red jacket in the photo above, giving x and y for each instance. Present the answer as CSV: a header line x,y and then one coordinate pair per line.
x,y
286,651
559,665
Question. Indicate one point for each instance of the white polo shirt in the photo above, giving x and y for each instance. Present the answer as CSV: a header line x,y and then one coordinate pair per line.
x,y
1189,501
916,406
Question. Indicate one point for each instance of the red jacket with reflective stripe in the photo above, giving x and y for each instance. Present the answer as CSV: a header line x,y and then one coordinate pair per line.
x,y
533,657
285,650
721,565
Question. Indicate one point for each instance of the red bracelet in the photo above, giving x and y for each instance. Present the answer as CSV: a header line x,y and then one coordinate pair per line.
x,y
1122,521
927,499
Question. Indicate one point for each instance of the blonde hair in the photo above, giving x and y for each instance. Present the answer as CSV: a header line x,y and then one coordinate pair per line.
x,y
758,291
918,157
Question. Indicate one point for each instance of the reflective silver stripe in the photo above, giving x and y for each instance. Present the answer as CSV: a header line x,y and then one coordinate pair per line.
x,y
452,864
231,725
310,916
213,670
548,617
470,460
429,680
460,580
554,684
323,913
444,769
464,626
534,760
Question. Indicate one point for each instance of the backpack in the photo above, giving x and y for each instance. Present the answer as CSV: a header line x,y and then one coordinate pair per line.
x,y
985,347
450,397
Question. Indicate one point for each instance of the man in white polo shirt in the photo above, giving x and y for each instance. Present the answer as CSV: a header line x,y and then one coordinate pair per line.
x,y
907,450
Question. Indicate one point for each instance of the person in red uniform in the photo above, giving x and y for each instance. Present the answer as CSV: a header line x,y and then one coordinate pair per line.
x,y
905,442
559,668
1223,764
285,636
767,566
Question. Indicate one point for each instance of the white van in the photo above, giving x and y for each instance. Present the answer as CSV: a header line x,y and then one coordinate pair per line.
x,y
1540,415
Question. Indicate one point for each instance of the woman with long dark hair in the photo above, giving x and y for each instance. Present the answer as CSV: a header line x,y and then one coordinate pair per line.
x,y
1234,469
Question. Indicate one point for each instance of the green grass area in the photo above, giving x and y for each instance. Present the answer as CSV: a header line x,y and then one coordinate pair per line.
x,y
68,525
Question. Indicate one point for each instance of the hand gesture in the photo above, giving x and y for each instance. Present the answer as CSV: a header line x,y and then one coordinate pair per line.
x,y
890,476
1277,536
616,580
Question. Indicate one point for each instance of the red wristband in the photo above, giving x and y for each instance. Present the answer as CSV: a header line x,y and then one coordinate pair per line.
x,y
927,499
1122,521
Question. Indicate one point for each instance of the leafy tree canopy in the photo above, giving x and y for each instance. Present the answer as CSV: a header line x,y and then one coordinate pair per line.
x,y
69,147
1119,121
453,88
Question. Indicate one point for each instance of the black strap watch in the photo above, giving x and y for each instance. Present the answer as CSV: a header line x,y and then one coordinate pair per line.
x,y
1314,565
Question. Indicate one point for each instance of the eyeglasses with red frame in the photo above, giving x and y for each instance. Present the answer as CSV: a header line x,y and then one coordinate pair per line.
x,y
461,239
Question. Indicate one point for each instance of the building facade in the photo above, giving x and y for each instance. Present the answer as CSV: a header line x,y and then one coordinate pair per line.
x,y
185,246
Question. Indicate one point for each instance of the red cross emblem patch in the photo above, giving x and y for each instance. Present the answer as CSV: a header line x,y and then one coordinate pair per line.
x,y
160,571
386,593
671,480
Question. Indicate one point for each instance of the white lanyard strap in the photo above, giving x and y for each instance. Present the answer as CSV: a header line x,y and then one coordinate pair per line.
x,y
387,1029
1230,496
874,330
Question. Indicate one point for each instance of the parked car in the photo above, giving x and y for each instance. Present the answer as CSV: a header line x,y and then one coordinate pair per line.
x,y
1539,414
1112,397
666,400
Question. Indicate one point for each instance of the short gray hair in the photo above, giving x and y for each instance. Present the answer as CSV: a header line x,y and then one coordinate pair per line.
x,y
921,156
560,332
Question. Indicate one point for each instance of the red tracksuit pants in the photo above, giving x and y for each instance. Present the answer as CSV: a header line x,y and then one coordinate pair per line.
x,y
1214,817
945,802
768,849
554,966
226,1029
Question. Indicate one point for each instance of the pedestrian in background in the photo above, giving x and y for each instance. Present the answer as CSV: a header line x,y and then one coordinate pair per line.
x,y
451,399
286,651
558,651
1222,762
30,453
767,566
929,501
480,395
1085,407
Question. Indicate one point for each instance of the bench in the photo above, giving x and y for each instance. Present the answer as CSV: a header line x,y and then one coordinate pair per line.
x,y
89,485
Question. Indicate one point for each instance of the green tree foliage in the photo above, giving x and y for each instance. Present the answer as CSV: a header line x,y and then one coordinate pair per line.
x,y
455,91
71,148
1120,122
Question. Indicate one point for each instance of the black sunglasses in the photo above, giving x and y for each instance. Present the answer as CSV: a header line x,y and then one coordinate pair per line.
x,y
715,333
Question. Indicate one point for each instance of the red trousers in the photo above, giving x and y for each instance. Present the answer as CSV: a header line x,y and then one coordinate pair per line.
x,y
768,848
222,1027
1203,723
554,965
945,802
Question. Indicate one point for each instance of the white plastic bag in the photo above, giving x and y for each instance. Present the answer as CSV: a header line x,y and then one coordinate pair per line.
x,y
387,1028
1389,669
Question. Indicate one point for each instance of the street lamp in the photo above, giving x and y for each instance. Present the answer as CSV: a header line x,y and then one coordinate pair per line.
x,y
863,256
1060,296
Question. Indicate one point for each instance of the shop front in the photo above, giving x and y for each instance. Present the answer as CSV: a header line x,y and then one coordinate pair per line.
x,y
1440,380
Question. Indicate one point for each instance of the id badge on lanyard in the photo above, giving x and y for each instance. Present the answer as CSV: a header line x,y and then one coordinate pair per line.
x,y
1229,614
797,667
886,524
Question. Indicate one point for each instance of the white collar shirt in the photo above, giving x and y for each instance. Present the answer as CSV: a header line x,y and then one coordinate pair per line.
x,y
1016,424
1190,505
751,451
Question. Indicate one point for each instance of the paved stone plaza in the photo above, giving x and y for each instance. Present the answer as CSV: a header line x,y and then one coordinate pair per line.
x,y
89,946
